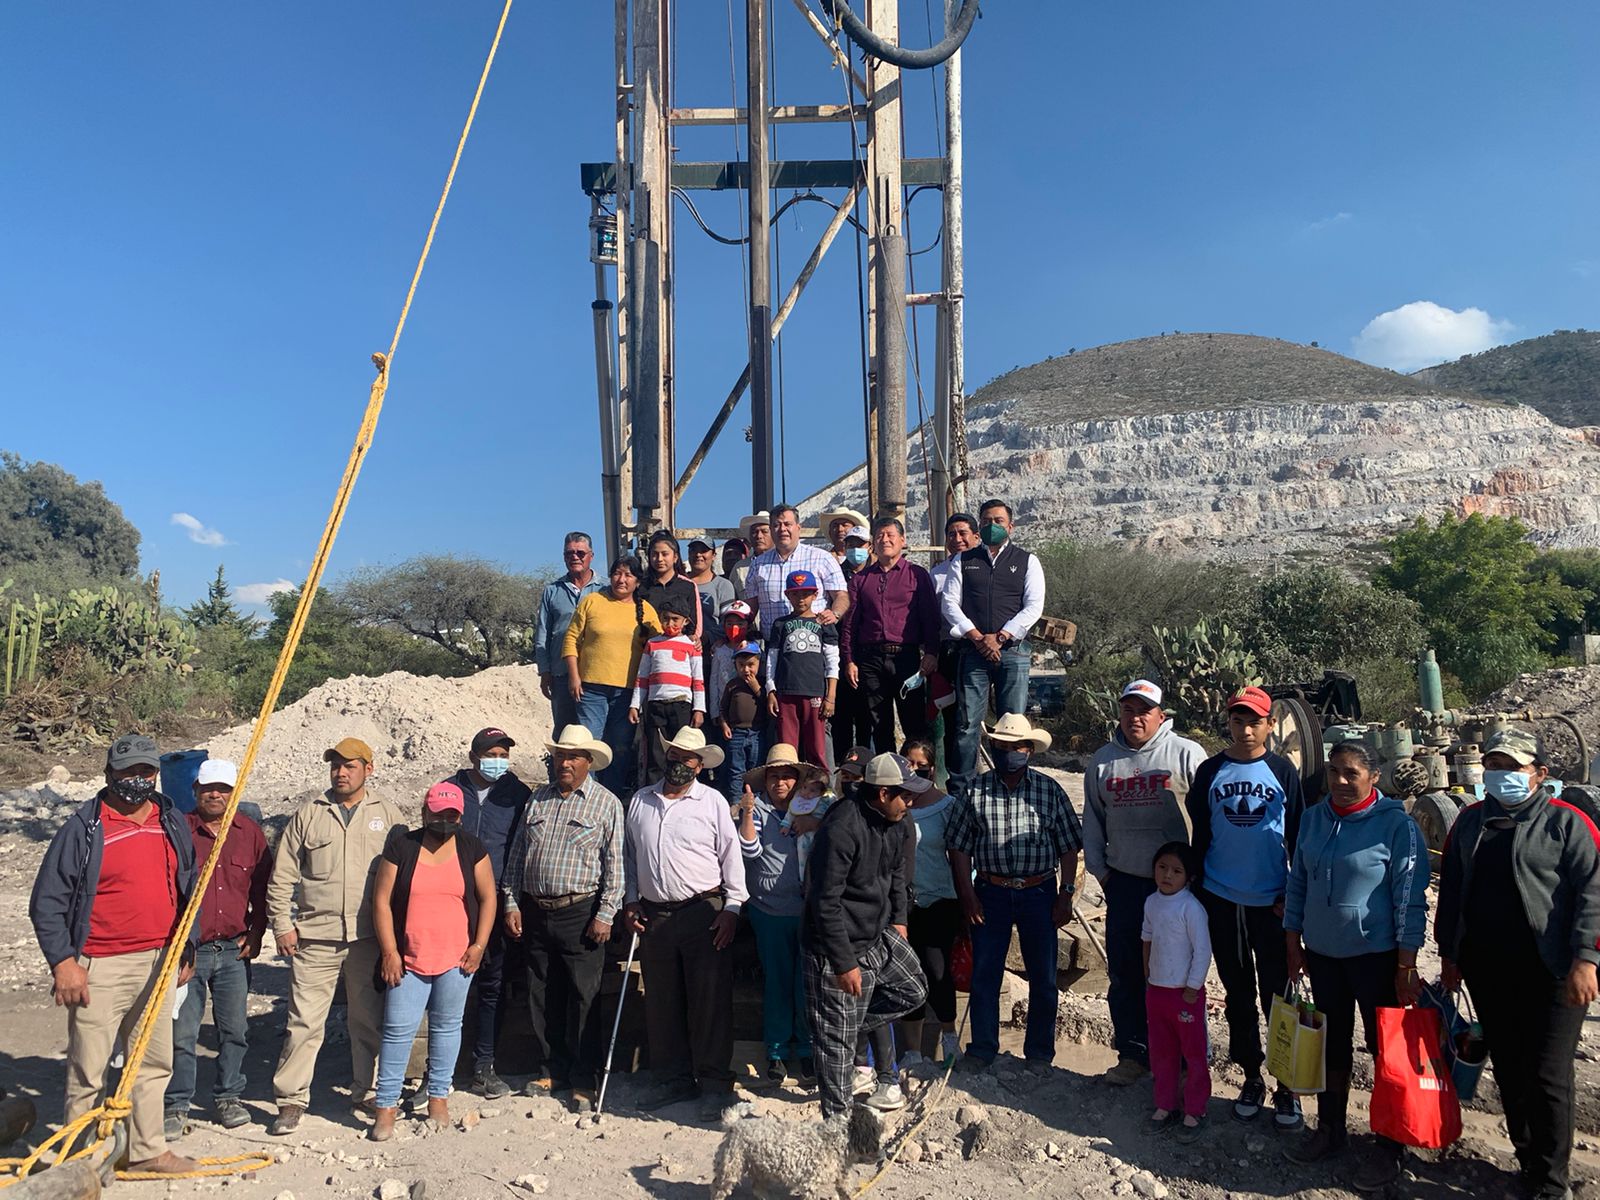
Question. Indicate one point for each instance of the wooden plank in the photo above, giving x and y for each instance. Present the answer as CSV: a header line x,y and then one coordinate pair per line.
x,y
779,114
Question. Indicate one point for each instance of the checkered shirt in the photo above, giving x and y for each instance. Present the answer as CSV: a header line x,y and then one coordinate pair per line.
x,y
568,845
769,575
1019,833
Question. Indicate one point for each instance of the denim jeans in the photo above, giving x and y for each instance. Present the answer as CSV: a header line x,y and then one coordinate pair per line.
x,y
219,970
783,997
563,708
1029,911
603,710
744,754
444,998
976,675
1125,896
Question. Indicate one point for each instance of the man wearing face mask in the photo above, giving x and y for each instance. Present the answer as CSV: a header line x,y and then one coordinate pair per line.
x,y
994,606
840,526
889,637
495,802
685,886
105,903
1519,921
1016,827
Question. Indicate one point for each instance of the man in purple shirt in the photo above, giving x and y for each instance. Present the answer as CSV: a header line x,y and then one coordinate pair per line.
x,y
890,634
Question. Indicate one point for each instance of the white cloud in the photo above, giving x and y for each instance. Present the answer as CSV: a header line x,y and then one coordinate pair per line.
x,y
1423,334
1327,223
199,532
260,593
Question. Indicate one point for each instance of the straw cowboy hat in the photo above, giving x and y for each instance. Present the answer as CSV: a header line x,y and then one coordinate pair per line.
x,y
825,519
1014,727
761,518
691,741
576,737
781,755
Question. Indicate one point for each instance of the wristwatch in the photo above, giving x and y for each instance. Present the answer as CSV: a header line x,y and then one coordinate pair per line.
x,y
1069,889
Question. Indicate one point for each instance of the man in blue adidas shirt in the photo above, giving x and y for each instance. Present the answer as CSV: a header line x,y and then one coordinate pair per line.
x,y
1245,806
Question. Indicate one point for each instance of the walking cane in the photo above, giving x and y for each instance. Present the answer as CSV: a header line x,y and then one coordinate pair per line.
x,y
616,1027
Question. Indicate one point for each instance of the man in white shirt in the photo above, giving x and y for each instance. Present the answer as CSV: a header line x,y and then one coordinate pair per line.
x,y
685,884
999,597
765,585
960,535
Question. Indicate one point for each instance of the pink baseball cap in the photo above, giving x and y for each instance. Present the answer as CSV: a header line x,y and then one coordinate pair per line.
x,y
445,797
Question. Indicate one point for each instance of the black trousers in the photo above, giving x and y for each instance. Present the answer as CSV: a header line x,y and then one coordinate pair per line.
x,y
1340,986
660,719
688,996
883,669
848,727
1125,896
488,984
932,931
564,970
1253,963
1533,1038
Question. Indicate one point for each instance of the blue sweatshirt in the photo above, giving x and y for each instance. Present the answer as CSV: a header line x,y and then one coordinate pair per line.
x,y
1246,818
772,864
1360,882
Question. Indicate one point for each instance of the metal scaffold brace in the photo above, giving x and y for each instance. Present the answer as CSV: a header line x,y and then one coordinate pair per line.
x,y
103,1129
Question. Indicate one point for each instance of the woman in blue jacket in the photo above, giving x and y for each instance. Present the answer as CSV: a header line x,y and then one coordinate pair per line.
x,y
1354,918
1519,919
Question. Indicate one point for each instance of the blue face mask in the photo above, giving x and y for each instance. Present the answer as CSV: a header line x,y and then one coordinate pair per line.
x,y
1012,761
492,768
855,555
1511,788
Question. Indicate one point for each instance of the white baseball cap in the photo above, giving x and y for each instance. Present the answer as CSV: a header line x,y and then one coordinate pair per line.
x,y
217,770
1143,689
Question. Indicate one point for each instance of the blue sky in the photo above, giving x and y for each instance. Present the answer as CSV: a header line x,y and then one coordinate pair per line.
x,y
209,214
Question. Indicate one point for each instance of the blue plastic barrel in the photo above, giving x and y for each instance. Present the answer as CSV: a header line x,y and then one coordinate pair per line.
x,y
179,770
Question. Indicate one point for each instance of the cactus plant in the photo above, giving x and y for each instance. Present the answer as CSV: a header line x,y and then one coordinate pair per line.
x,y
1201,665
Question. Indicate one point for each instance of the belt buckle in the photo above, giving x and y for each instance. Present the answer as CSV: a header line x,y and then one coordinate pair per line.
x,y
1016,883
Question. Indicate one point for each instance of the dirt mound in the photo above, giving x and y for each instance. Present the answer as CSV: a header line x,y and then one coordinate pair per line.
x,y
418,727
1571,691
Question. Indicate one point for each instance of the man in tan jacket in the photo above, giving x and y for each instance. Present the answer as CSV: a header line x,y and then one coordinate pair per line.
x,y
325,863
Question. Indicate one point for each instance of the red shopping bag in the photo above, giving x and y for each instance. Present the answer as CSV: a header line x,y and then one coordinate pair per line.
x,y
961,963
1414,1100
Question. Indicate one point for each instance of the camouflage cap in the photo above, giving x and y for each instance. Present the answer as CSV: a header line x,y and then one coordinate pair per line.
x,y
1518,744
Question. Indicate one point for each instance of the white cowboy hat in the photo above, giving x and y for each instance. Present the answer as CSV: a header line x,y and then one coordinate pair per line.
x,y
781,755
761,518
825,519
692,741
1014,727
576,737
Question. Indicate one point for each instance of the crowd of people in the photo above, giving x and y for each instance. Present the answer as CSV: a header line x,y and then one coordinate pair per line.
x,y
796,740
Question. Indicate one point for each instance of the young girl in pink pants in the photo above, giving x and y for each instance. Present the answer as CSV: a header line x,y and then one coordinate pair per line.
x,y
1177,955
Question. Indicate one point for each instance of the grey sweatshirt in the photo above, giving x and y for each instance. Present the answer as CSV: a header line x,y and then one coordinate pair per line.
x,y
1133,801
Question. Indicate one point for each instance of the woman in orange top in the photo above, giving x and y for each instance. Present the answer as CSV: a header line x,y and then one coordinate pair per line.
x,y
433,907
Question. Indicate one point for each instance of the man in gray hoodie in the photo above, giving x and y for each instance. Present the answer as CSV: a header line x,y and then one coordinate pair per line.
x,y
1133,803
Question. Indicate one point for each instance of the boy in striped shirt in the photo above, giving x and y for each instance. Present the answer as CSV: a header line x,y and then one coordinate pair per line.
x,y
670,691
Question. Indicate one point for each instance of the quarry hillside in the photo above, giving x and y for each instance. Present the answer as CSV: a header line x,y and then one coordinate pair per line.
x,y
1558,374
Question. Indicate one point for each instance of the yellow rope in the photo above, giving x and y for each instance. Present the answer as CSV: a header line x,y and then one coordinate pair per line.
x,y
119,1106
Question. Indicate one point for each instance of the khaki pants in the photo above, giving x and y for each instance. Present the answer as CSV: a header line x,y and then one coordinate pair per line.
x,y
313,975
119,987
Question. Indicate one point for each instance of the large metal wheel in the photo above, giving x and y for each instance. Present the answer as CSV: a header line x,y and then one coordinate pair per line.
x,y
1435,812
1297,736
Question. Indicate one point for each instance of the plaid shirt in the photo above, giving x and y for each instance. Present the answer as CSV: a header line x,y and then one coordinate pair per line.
x,y
568,845
769,575
1016,834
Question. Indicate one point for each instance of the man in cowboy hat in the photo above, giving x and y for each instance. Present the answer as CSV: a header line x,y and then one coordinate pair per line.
x,y
685,886
495,803
561,891
836,524
756,532
1016,827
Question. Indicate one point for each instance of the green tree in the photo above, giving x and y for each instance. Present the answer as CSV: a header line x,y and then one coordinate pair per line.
x,y
1307,620
218,610
1578,571
1487,616
57,533
471,608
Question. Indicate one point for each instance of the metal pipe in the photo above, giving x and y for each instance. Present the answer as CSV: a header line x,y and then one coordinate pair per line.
x,y
891,498
954,281
760,197
610,468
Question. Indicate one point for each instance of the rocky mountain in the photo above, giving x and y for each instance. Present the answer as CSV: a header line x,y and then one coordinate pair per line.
x,y
1558,374
1249,447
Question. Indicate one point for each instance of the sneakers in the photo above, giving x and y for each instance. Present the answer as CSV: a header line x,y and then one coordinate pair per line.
x,y
1127,1071
487,1084
1251,1097
1286,1117
887,1096
864,1082
1324,1143
808,1070
287,1120
173,1126
949,1047
777,1072
538,1086
231,1114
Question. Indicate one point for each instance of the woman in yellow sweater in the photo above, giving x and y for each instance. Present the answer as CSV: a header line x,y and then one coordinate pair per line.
x,y
609,630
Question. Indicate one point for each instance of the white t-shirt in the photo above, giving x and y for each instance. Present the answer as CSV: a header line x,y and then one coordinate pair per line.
x,y
1180,940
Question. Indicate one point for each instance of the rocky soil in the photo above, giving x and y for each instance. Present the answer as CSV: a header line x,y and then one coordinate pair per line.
x,y
1249,447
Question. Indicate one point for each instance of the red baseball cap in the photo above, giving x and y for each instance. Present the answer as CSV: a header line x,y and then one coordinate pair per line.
x,y
445,797
1253,698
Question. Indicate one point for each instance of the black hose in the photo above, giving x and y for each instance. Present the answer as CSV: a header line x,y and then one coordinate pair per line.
x,y
914,60
797,198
